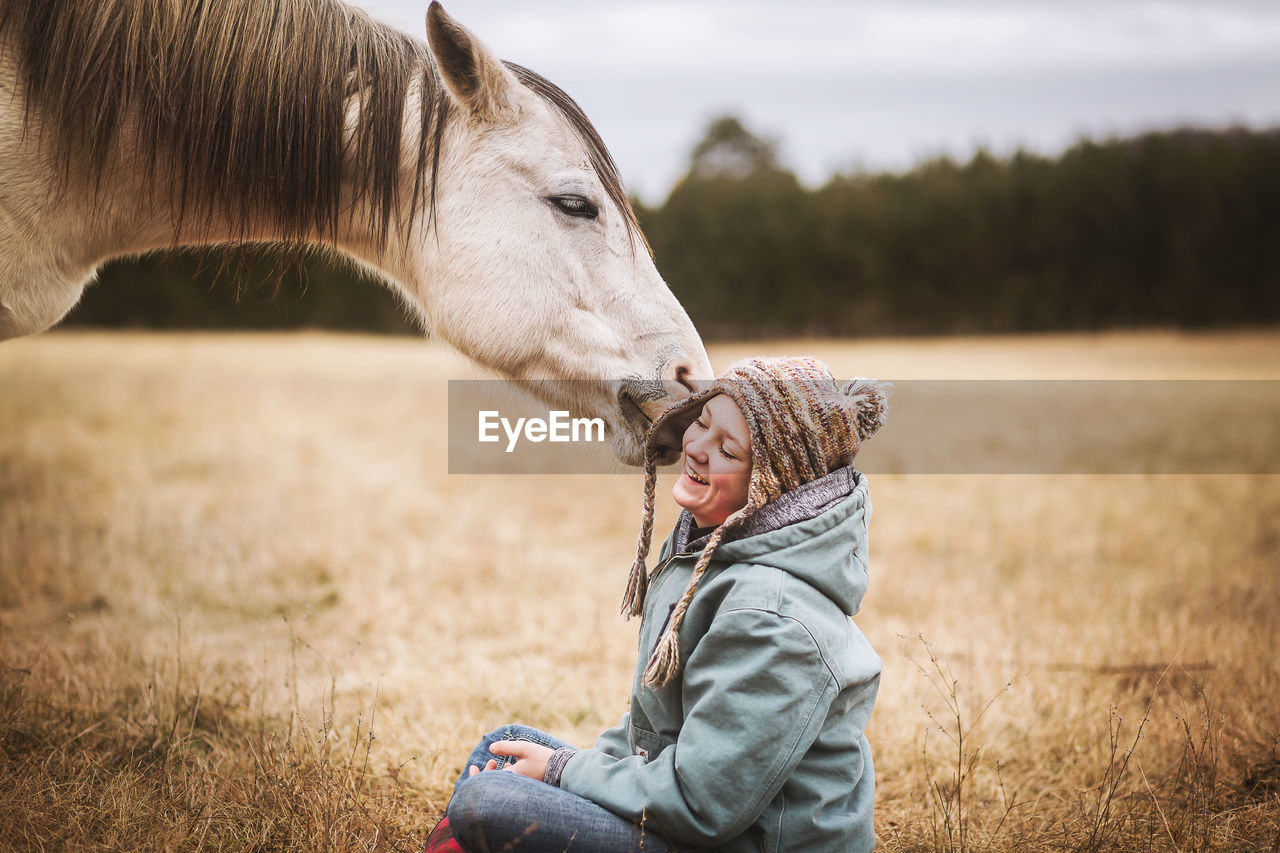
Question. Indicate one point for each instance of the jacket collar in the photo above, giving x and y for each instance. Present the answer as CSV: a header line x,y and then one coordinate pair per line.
x,y
800,504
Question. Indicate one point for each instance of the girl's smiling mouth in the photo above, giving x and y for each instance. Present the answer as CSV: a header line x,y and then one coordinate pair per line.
x,y
689,472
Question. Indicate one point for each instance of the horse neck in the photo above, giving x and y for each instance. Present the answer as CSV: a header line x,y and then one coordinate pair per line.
x,y
131,218
134,212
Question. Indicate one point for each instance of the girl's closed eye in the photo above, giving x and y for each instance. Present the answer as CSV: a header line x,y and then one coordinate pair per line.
x,y
727,455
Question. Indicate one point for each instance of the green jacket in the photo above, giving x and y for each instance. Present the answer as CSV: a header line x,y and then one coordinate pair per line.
x,y
758,745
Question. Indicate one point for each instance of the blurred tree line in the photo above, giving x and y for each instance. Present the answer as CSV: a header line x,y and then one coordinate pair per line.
x,y
1177,228
239,288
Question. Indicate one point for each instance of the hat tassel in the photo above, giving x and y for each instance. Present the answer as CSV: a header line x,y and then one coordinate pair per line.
x,y
638,583
665,661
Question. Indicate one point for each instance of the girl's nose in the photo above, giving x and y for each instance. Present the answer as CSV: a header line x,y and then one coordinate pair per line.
x,y
696,450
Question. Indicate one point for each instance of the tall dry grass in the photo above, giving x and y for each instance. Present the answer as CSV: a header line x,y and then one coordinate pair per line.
x,y
243,606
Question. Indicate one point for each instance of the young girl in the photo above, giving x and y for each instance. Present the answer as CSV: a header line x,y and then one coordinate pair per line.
x,y
753,685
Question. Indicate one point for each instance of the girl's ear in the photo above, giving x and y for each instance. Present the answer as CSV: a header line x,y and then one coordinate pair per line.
x,y
871,402
476,80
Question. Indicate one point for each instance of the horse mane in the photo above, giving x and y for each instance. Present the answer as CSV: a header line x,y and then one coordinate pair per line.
x,y
247,101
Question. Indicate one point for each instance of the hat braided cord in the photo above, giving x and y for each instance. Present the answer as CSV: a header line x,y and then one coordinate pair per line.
x,y
638,583
664,663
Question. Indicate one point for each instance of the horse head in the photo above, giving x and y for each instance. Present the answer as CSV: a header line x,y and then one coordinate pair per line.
x,y
534,264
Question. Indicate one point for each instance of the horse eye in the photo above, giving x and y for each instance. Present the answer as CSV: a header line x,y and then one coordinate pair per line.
x,y
575,205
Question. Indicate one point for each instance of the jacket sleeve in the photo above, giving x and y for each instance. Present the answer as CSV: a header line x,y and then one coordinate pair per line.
x,y
755,694
614,741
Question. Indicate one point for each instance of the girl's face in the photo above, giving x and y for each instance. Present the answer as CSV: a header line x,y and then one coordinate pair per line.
x,y
717,463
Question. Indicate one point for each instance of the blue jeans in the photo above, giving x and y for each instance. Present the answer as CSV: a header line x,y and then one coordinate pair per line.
x,y
506,811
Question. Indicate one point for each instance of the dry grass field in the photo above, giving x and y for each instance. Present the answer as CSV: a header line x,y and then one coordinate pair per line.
x,y
243,606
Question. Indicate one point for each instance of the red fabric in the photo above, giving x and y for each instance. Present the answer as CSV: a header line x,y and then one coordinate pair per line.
x,y
441,840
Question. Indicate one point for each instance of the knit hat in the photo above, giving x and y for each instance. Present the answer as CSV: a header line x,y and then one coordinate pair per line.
x,y
804,424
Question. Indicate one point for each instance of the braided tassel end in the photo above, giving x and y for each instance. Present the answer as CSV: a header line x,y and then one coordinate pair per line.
x,y
637,586
638,583
665,662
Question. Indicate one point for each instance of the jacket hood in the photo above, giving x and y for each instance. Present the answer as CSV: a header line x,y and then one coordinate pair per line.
x,y
817,532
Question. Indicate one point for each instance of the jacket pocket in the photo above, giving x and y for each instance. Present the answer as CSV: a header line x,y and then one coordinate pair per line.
x,y
644,743
657,638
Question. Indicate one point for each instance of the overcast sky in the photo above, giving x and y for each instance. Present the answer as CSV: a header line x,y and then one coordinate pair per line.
x,y
879,84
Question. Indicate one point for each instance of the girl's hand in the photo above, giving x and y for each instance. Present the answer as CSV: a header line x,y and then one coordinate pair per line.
x,y
531,758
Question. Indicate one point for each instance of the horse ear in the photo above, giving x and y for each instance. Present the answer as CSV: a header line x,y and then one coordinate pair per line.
x,y
475,77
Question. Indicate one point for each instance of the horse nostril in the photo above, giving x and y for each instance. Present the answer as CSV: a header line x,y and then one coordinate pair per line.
x,y
680,371
631,398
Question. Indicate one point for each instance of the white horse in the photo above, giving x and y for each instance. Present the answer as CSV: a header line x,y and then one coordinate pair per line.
x,y
477,188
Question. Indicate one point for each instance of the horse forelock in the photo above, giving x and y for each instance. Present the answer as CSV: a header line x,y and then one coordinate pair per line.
x,y
247,101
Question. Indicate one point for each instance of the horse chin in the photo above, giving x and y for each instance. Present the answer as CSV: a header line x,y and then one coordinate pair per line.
x,y
628,447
